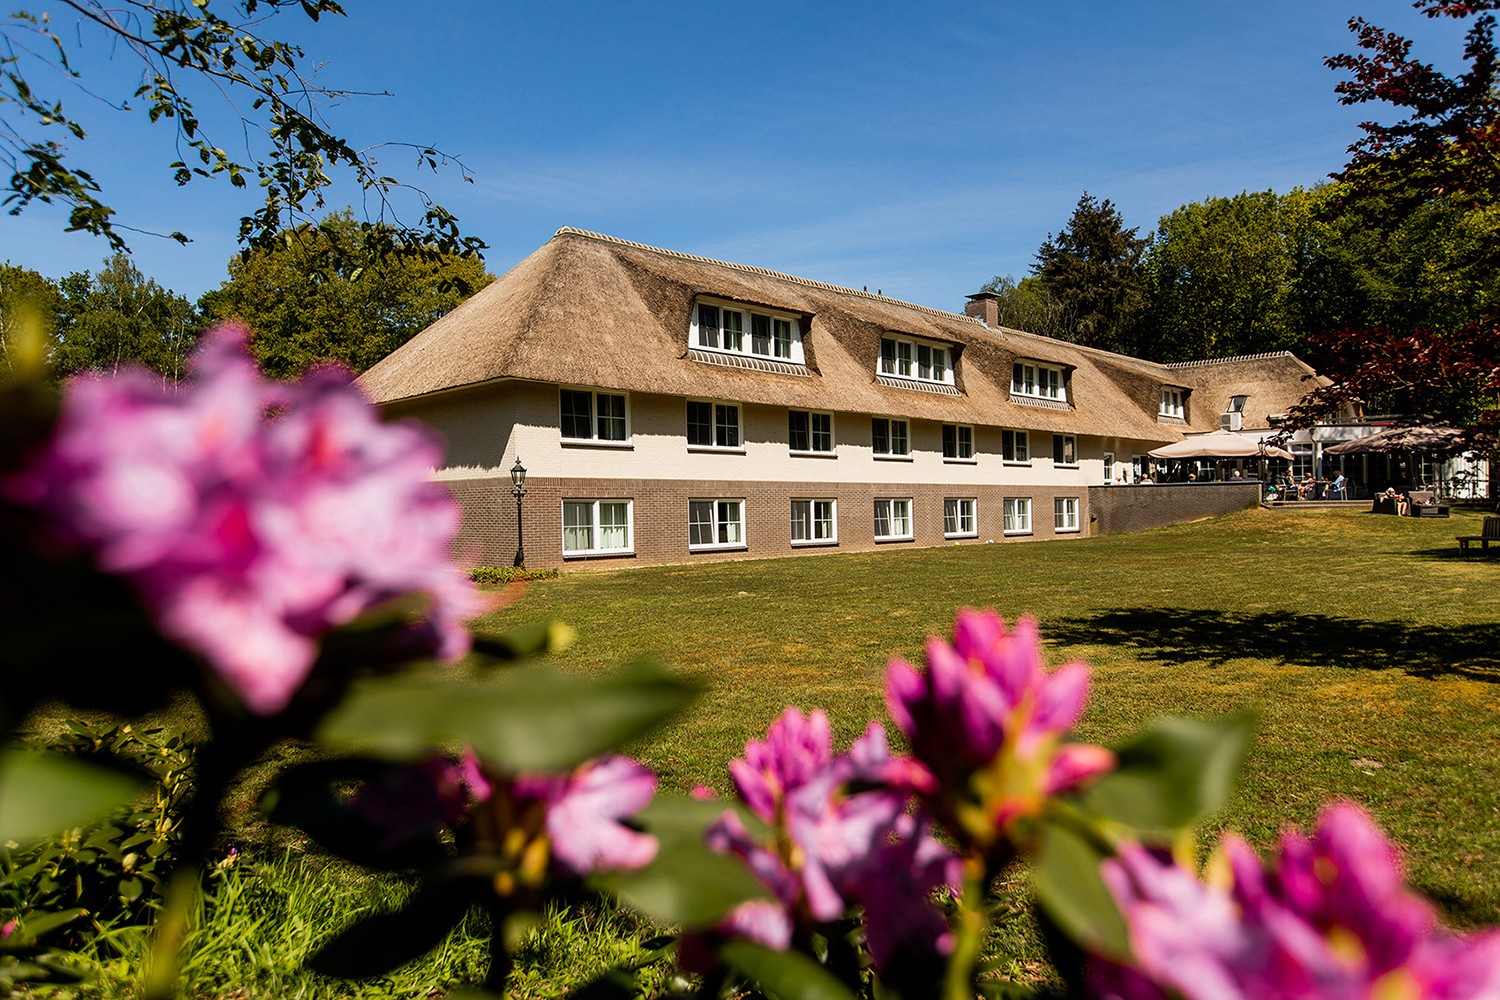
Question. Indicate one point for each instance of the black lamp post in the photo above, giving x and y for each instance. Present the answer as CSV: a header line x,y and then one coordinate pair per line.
x,y
518,486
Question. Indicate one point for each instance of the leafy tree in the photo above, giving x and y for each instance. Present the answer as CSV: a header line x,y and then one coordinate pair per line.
x,y
24,294
1222,274
117,316
342,290
1442,161
1027,305
276,112
1094,271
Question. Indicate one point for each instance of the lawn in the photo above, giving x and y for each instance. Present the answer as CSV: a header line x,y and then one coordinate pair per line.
x,y
1369,649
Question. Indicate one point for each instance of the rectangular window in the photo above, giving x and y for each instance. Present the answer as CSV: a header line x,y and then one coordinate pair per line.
x,y
734,330
713,425
1017,515
596,527
958,518
1065,514
716,524
782,332
958,442
1037,381
912,359
809,432
722,328
708,326
760,335
593,416
1064,449
889,437
1015,446
1172,403
813,522
892,519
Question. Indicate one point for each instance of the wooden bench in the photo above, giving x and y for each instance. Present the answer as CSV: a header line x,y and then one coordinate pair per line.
x,y
1489,532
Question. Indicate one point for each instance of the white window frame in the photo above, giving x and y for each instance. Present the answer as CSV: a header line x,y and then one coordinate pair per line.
x,y
1017,515
1173,403
960,454
1034,380
1064,515
715,405
594,419
965,510
905,360
891,454
812,433
717,522
705,340
1064,443
890,506
1015,446
810,507
595,532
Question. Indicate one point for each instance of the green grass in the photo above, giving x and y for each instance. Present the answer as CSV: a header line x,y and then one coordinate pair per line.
x,y
1370,650
259,921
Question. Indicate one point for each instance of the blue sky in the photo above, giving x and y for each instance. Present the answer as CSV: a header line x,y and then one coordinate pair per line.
x,y
914,148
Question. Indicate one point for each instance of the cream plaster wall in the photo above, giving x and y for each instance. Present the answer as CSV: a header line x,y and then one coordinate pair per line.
x,y
477,423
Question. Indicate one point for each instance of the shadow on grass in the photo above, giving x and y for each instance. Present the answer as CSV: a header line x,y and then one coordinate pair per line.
x,y
1215,637
1453,554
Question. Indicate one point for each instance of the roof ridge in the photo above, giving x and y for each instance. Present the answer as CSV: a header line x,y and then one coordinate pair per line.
x,y
1221,361
763,271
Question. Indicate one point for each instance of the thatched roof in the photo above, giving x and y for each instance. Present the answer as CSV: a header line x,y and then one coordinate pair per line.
x,y
592,310
1271,384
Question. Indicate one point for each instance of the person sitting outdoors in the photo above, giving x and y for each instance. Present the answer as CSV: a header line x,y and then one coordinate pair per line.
x,y
1340,488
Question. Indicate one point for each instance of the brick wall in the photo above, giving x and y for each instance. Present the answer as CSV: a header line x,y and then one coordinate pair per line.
x,y
1134,508
660,515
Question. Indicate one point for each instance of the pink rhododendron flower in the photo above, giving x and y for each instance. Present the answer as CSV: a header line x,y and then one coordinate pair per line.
x,y
585,810
251,516
1333,919
987,722
839,833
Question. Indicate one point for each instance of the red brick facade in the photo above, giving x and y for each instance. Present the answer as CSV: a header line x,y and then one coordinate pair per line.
x,y
660,512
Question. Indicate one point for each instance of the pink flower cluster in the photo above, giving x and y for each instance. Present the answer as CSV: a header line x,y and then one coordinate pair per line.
x,y
839,837
1333,919
571,822
251,516
987,721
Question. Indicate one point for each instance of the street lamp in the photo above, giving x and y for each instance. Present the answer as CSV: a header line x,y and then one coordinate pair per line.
x,y
518,486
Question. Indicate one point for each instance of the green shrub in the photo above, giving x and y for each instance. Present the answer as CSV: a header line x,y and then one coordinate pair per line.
x,y
509,574
111,873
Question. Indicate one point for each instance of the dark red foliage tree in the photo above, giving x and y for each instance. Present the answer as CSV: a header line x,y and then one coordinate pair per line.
x,y
1447,147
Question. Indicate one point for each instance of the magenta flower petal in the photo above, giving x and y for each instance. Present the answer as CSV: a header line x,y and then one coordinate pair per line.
x,y
583,819
1075,764
248,536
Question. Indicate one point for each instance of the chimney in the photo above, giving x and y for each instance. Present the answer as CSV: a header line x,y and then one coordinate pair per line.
x,y
985,307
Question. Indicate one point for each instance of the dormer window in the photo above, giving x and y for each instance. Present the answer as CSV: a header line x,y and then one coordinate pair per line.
x,y
920,360
1173,403
732,329
1237,404
1036,381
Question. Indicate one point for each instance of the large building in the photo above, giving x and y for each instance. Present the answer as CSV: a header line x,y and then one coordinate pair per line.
x,y
670,408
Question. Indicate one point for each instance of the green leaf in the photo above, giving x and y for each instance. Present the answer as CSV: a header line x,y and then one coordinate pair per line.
x,y
36,925
374,945
44,794
788,974
687,883
532,719
1068,885
1171,776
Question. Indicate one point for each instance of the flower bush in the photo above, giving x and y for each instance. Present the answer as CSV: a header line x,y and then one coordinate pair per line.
x,y
293,550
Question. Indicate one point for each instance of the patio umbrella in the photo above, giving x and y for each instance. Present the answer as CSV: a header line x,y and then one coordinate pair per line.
x,y
1219,444
1431,440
